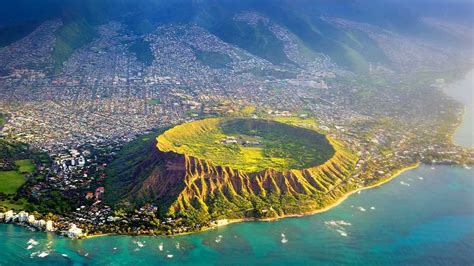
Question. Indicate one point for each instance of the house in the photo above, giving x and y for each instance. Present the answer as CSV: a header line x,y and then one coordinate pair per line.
x,y
99,192
89,195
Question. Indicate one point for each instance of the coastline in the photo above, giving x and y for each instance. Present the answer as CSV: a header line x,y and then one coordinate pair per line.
x,y
225,222
327,208
448,90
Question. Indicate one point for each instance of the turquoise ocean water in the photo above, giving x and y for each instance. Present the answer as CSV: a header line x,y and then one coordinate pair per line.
x,y
423,217
410,220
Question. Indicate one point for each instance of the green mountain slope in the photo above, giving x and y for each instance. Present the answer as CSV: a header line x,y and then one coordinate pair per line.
x,y
69,37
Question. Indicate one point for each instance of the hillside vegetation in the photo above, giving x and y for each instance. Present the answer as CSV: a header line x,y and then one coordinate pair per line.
x,y
142,51
69,37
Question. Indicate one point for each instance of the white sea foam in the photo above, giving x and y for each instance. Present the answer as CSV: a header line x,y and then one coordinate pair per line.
x,y
339,226
341,232
218,239
404,183
337,223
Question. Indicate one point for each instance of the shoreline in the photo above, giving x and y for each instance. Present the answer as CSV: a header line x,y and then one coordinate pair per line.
x,y
447,90
325,209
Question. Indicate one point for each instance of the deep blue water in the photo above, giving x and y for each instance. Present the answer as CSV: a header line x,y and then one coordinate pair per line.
x,y
431,221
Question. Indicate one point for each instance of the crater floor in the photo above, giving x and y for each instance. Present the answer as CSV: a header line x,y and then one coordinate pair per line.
x,y
249,145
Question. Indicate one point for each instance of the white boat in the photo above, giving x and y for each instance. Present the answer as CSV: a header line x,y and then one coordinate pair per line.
x,y
32,242
43,254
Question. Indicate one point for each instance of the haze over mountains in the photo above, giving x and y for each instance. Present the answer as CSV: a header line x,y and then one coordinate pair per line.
x,y
350,33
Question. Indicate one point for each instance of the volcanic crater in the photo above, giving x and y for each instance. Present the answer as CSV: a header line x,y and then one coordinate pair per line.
x,y
238,168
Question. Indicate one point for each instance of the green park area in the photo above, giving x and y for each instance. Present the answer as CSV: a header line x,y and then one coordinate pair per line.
x,y
11,180
25,166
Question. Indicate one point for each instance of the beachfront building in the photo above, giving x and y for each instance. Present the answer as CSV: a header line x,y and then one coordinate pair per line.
x,y
49,226
74,232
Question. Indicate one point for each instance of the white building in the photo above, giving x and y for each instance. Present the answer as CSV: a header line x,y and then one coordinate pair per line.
x,y
40,223
31,219
22,217
74,231
49,226
8,216
81,161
